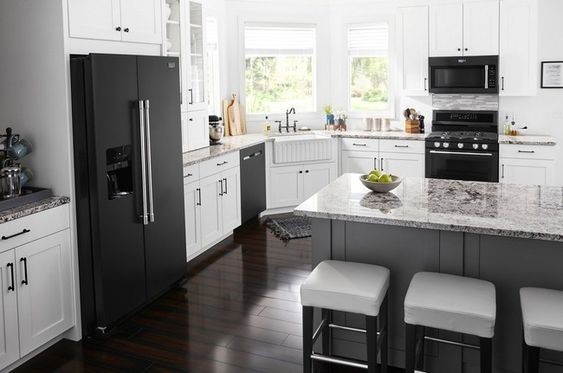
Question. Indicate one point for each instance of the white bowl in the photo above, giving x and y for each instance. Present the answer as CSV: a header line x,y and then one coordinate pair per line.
x,y
381,187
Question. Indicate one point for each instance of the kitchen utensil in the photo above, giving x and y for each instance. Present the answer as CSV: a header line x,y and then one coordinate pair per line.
x,y
412,126
10,182
19,149
381,187
216,129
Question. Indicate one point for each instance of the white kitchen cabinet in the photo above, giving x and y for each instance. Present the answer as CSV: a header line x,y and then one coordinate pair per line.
x,y
196,129
316,177
468,28
518,47
446,29
414,34
527,164
358,162
117,20
402,164
44,290
193,219
9,336
230,200
481,28
286,186
211,221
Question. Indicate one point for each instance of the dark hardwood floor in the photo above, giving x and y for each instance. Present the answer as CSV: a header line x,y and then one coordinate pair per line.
x,y
238,311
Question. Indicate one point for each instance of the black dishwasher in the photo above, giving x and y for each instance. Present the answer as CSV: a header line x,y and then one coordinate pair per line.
x,y
253,181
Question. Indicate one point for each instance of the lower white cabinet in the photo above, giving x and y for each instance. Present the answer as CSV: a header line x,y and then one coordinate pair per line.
x,y
195,131
402,164
291,185
527,164
358,162
212,208
36,295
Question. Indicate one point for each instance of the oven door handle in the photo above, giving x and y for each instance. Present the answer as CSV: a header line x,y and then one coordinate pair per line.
x,y
486,76
461,153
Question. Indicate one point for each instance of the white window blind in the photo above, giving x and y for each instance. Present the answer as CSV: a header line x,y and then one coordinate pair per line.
x,y
273,41
370,40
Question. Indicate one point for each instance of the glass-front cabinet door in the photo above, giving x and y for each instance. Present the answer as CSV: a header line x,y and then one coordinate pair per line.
x,y
197,94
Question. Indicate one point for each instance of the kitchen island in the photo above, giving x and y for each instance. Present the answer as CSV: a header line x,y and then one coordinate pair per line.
x,y
510,235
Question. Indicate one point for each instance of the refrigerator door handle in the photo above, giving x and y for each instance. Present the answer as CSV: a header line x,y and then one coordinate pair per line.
x,y
149,160
144,215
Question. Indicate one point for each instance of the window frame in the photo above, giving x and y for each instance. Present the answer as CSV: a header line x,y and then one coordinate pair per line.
x,y
315,68
391,56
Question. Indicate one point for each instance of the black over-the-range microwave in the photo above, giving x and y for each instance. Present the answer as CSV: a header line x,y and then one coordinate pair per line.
x,y
475,74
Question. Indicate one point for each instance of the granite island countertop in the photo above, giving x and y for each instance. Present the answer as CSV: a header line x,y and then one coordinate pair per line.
x,y
534,212
32,208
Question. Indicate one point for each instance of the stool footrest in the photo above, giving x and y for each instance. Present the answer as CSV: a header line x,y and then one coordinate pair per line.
x,y
350,329
335,360
445,341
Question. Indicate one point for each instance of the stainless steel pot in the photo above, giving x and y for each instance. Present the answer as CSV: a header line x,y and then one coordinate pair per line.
x,y
10,182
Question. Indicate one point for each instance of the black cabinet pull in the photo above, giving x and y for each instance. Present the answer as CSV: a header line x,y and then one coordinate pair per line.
x,y
502,174
426,84
198,203
24,281
226,187
502,83
12,286
191,119
466,49
222,163
191,96
4,238
300,172
459,49
188,175
126,29
118,28
381,164
359,144
221,192
306,171
375,163
401,146
527,151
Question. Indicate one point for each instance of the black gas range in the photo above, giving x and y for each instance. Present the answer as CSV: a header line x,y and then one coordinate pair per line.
x,y
463,146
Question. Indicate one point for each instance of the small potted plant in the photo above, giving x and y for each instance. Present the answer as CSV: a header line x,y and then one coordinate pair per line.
x,y
329,115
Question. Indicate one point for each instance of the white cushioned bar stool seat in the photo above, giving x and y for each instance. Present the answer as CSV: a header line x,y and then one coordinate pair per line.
x,y
451,303
454,303
542,317
346,286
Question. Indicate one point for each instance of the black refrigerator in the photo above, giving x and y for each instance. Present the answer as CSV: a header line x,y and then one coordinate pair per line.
x,y
129,183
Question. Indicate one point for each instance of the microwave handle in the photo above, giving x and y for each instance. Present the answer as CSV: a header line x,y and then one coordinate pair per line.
x,y
486,76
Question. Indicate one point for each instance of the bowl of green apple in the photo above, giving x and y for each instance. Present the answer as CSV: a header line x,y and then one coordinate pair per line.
x,y
380,182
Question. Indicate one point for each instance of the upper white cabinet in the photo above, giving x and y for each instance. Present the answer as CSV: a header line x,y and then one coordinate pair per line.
x,y
518,47
414,33
117,20
468,28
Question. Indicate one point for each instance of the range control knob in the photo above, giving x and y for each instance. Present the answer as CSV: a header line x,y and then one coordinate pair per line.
x,y
475,146
446,145
485,146
436,144
460,145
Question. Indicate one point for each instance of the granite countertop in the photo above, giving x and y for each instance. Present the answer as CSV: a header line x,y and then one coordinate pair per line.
x,y
527,140
534,212
383,135
32,208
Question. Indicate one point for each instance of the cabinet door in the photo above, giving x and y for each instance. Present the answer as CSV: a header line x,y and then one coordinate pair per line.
x,y
230,201
141,21
481,28
358,162
94,19
193,218
211,220
526,171
197,95
197,130
403,164
316,177
414,50
518,47
446,30
9,338
44,290
285,186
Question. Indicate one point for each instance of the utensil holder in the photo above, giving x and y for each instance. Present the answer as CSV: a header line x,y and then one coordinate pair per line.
x,y
412,126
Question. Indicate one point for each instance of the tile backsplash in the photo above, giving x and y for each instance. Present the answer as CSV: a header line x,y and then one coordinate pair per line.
x,y
465,102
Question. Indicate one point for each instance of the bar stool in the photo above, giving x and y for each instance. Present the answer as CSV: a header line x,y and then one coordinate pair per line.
x,y
451,303
542,316
347,287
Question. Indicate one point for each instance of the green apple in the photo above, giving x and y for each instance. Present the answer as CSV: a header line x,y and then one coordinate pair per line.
x,y
376,173
385,178
373,178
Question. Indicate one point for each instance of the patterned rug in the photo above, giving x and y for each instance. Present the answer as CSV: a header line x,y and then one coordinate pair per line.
x,y
289,227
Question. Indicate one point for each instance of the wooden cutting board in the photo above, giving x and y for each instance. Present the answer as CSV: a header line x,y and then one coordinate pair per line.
x,y
234,118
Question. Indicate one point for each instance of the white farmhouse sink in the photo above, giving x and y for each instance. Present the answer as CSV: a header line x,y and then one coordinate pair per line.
x,y
302,148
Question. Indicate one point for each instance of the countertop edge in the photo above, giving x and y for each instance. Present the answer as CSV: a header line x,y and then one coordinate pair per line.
x,y
33,208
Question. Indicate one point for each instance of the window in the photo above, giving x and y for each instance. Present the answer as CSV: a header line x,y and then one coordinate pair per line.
x,y
280,68
213,75
368,47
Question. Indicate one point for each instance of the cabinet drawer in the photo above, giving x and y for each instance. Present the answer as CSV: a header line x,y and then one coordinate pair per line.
x,y
191,173
218,164
360,144
527,151
401,146
35,226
